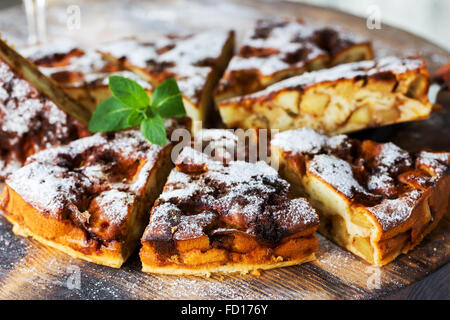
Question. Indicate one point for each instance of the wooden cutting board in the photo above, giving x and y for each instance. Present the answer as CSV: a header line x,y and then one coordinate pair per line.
x,y
29,270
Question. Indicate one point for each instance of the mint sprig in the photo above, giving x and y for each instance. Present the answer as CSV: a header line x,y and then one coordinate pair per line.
x,y
130,106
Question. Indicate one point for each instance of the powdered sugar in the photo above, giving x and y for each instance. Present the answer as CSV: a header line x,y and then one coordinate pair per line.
x,y
137,53
115,204
304,140
438,163
308,141
344,71
391,212
187,58
28,119
239,193
291,216
89,66
191,227
380,181
338,173
371,175
56,47
49,188
61,178
215,135
278,45
390,154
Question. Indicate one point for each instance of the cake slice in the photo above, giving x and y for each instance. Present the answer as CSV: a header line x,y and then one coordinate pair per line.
x,y
217,214
82,73
196,61
29,120
342,99
375,199
90,198
278,49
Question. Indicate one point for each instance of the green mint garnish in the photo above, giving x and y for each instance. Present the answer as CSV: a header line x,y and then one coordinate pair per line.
x,y
130,106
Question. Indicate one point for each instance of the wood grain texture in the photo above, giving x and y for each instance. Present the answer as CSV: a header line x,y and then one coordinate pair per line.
x,y
29,270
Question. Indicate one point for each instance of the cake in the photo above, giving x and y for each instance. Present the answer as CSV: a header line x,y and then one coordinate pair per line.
x,y
29,120
82,73
217,214
277,49
341,99
196,61
91,197
375,199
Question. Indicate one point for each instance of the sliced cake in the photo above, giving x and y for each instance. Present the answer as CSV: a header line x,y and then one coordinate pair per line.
x,y
375,199
90,198
82,73
342,99
217,214
278,49
29,120
196,61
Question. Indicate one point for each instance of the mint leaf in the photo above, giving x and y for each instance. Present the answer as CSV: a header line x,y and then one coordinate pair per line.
x,y
129,92
135,118
154,130
110,115
167,99
130,107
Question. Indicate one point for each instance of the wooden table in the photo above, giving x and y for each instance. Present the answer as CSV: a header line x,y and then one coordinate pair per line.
x,y
29,270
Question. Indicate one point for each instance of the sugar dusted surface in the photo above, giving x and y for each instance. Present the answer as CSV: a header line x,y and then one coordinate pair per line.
x,y
345,71
392,212
215,134
336,172
49,188
281,40
65,177
390,155
28,120
330,159
238,193
184,57
116,204
438,163
302,140
56,47
20,107
91,65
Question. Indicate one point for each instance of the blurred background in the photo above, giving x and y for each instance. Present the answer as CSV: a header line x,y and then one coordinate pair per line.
x,y
427,18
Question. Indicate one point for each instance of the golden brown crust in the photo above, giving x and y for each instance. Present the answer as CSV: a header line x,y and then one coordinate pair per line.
x,y
278,49
226,217
63,235
342,99
90,198
376,200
